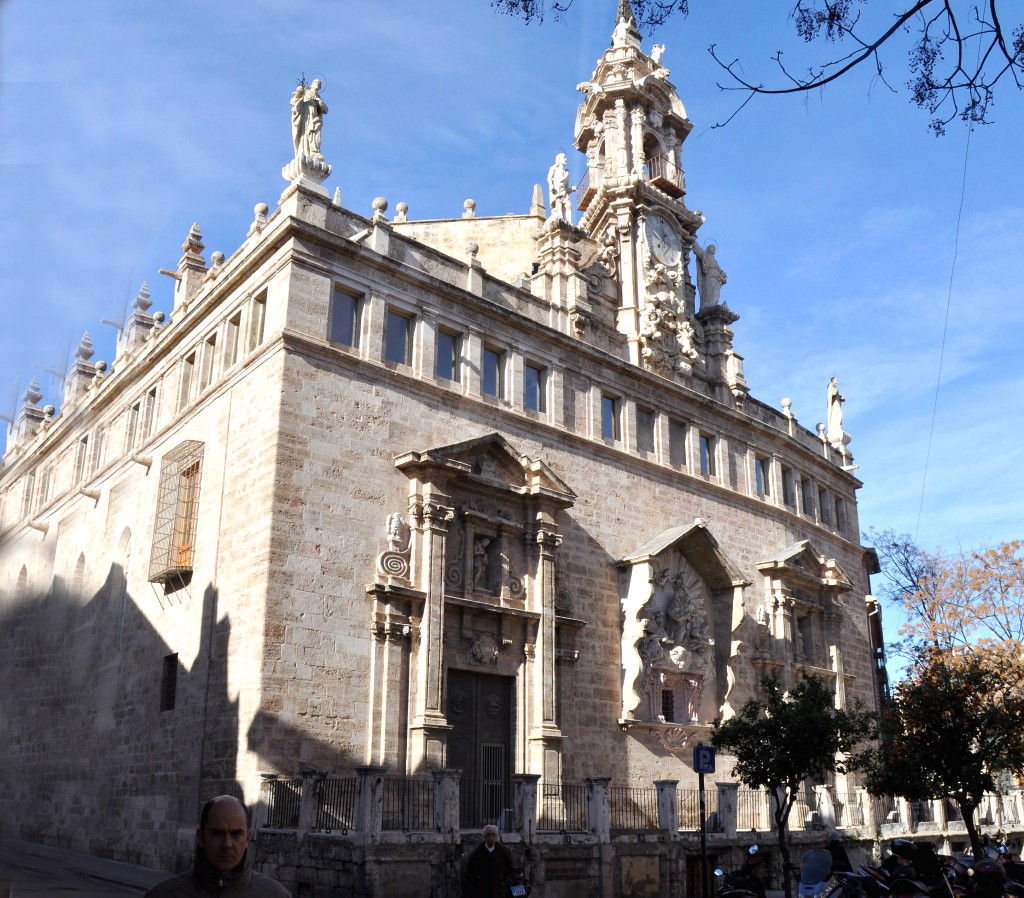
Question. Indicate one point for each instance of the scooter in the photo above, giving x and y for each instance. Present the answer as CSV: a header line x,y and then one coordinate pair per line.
x,y
742,883
815,873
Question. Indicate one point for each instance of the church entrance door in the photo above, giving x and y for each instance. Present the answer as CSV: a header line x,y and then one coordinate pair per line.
x,y
481,713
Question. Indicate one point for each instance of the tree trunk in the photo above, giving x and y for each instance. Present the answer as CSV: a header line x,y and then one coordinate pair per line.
x,y
782,809
967,810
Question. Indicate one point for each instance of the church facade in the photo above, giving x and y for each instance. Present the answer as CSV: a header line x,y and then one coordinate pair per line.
x,y
486,494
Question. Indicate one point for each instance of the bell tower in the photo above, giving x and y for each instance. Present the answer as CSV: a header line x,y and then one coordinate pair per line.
x,y
631,127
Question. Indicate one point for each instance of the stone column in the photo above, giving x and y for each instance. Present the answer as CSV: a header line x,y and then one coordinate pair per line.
x,y
369,803
446,804
668,806
429,727
599,818
637,119
524,788
621,150
728,807
545,736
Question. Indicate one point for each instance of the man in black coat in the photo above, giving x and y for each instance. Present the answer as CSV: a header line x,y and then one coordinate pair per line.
x,y
489,868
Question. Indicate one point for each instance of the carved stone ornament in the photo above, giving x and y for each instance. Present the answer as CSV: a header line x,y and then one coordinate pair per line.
x,y
393,563
668,339
674,739
484,650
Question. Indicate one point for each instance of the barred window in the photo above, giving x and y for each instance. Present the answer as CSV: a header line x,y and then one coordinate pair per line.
x,y
169,683
176,514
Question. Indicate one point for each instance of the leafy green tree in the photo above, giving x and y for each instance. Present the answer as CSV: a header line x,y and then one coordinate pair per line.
x,y
954,724
780,740
957,54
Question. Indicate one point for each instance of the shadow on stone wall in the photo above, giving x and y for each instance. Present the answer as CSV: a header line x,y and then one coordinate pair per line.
x,y
90,761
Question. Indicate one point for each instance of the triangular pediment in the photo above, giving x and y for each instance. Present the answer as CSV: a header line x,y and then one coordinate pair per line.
x,y
488,460
700,549
802,561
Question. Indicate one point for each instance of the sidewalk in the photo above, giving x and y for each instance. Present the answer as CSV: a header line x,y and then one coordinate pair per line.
x,y
40,870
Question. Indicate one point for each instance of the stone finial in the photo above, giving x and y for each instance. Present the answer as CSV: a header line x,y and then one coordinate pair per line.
x,y
101,367
259,218
787,406
142,301
380,206
337,197
193,246
33,394
402,212
217,258
472,249
470,207
85,350
537,206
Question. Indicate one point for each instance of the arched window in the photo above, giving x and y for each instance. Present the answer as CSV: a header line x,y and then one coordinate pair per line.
x,y
78,578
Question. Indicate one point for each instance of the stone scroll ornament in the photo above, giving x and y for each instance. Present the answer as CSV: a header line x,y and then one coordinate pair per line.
x,y
394,561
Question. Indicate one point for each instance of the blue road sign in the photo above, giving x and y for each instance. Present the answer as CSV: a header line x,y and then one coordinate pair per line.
x,y
703,759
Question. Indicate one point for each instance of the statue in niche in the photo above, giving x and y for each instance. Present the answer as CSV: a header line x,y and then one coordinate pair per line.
x,y
834,400
710,276
308,110
480,562
558,189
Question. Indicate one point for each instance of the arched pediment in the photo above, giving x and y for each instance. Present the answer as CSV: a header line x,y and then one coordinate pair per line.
x,y
699,547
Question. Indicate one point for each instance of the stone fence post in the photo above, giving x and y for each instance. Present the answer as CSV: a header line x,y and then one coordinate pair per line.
x,y
312,781
446,804
524,799
369,802
668,806
599,818
728,807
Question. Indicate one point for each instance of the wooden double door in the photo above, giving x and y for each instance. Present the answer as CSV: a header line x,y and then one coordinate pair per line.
x,y
481,712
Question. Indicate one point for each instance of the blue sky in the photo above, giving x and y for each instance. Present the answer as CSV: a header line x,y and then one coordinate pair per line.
x,y
835,213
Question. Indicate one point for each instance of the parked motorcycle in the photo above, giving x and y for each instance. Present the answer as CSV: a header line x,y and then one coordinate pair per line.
x,y
815,873
742,883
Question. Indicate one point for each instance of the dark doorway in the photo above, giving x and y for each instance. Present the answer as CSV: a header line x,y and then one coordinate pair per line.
x,y
481,714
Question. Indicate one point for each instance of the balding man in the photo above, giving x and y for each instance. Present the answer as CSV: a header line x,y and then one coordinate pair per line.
x,y
223,861
489,868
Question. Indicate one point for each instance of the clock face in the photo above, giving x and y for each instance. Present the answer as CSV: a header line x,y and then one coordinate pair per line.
x,y
663,239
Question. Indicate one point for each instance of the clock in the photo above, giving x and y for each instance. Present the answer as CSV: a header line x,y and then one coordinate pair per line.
x,y
663,239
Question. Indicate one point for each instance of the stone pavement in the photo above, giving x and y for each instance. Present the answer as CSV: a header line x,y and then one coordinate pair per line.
x,y
40,870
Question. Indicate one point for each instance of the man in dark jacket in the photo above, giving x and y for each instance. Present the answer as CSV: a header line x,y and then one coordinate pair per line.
x,y
488,869
223,863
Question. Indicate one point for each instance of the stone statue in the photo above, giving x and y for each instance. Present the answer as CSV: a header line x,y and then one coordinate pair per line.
x,y
657,51
710,276
308,111
480,562
396,531
834,428
558,189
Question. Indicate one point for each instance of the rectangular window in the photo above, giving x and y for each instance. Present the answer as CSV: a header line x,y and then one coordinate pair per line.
x,y
149,414
99,440
234,325
259,320
43,492
644,429
535,387
188,367
611,428
448,355
81,457
345,318
209,354
677,443
707,455
494,373
169,683
826,517
177,514
762,475
131,430
788,487
668,705
27,493
398,338
842,524
806,497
